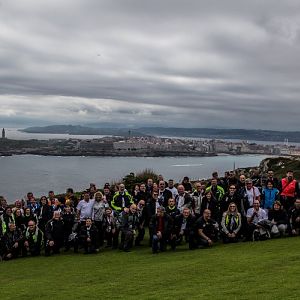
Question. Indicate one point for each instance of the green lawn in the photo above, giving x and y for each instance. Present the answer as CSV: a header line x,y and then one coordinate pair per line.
x,y
260,270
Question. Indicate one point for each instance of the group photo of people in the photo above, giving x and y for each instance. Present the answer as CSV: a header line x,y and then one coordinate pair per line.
x,y
159,213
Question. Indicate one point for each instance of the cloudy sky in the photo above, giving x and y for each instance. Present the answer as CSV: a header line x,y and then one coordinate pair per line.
x,y
190,63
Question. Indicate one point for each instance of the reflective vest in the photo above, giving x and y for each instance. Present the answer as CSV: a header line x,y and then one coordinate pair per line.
x,y
288,188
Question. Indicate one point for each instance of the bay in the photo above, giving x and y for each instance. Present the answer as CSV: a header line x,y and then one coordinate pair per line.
x,y
39,174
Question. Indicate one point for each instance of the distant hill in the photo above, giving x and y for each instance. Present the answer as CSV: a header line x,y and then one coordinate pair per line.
x,y
82,130
208,133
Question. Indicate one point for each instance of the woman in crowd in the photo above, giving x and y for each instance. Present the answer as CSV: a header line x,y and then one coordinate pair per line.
x,y
279,218
231,224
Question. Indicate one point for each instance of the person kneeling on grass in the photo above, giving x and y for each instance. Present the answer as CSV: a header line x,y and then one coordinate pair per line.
x,y
183,227
54,231
255,217
34,238
231,224
206,230
160,228
295,218
89,236
279,218
12,240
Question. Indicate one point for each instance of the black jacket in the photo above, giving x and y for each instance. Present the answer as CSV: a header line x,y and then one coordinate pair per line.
x,y
279,216
190,223
54,230
168,225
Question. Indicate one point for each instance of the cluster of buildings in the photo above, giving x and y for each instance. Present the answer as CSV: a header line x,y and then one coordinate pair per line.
x,y
143,146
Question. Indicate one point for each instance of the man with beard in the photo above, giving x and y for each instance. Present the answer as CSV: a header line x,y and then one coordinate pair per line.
x,y
206,230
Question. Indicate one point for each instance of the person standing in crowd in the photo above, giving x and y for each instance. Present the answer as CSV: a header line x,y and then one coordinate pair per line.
x,y
29,216
34,206
172,209
135,193
3,205
28,198
269,195
45,213
54,202
163,194
142,215
143,194
68,217
149,186
70,198
97,216
172,188
270,177
122,199
197,196
231,224
231,180
6,218
18,205
241,185
209,202
216,190
289,190
107,195
230,196
19,220
183,199
252,193
110,228
85,208
187,185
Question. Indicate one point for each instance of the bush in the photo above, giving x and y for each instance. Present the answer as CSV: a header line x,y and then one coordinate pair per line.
x,y
132,179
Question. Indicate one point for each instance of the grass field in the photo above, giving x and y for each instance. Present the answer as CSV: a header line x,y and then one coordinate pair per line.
x,y
260,270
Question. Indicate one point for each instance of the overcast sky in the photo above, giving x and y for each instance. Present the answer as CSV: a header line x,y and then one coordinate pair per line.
x,y
232,64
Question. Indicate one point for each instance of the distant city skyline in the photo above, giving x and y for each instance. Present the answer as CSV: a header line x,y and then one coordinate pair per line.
x,y
193,63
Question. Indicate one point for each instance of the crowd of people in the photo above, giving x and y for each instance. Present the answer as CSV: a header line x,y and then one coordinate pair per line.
x,y
231,209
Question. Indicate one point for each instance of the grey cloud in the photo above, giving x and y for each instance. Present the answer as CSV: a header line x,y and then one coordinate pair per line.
x,y
203,63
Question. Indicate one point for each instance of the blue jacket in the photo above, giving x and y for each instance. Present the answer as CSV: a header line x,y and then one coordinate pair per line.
x,y
269,197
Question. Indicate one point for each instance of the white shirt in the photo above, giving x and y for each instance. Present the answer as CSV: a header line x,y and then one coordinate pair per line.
x,y
252,194
86,209
173,190
261,215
